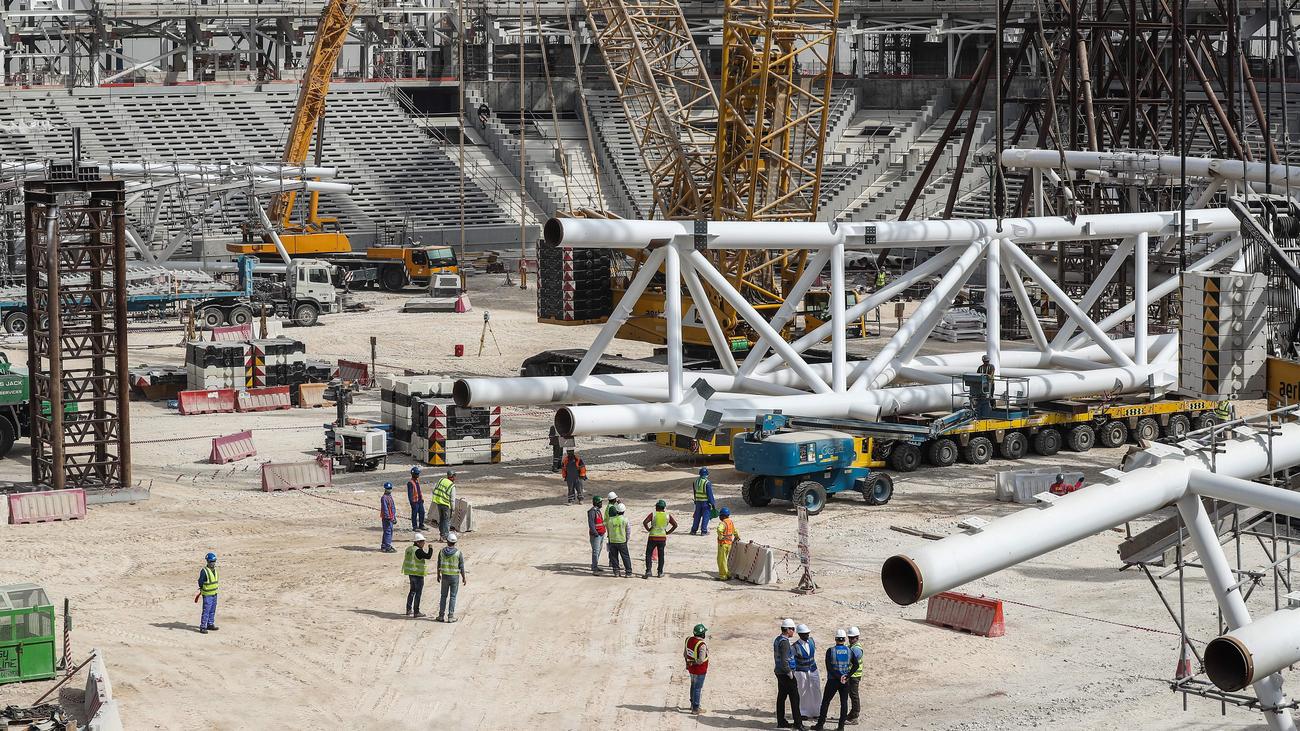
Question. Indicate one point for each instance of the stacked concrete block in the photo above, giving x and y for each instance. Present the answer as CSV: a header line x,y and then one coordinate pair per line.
x,y
249,364
1223,338
454,434
215,365
396,395
573,285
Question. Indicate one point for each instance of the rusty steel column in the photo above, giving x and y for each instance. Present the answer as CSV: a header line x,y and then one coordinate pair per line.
x,y
78,415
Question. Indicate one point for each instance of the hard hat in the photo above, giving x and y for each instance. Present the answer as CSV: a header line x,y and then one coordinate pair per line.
x,y
451,473
840,635
210,557
612,495
661,505
803,629
415,469
704,472
787,624
701,630
388,485
596,500
418,537
620,509
1060,476
452,537
853,632
725,512
985,359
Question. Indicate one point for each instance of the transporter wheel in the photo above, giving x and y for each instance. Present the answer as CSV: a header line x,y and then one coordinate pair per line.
x,y
905,457
1178,426
811,495
1047,441
241,315
1147,429
1203,420
941,452
1112,434
211,317
754,493
16,323
1080,438
879,489
1014,445
978,450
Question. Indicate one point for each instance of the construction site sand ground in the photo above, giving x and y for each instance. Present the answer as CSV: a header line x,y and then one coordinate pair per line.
x,y
312,632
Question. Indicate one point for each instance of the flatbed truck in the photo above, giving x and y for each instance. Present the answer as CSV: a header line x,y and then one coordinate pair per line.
x,y
306,292
395,267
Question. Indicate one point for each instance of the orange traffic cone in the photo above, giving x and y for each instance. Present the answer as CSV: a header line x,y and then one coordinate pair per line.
x,y
1184,669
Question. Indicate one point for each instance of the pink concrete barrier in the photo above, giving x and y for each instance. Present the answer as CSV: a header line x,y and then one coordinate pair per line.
x,y
47,506
232,448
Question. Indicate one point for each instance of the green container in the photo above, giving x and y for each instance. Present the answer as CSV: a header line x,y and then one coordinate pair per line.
x,y
26,634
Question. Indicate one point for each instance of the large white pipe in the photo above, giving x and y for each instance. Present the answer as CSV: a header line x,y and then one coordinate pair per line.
x,y
736,410
1127,162
673,314
1140,245
993,302
838,347
628,234
946,564
1254,651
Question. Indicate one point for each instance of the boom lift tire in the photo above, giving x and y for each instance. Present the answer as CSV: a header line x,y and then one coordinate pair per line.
x,y
811,495
879,489
753,492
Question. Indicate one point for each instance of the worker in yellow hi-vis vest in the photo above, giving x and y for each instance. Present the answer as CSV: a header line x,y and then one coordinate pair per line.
x,y
727,535
659,524
444,499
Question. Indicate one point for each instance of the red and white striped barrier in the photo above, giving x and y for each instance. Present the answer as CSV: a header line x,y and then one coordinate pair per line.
x,y
47,506
232,332
359,373
232,448
977,615
210,401
267,398
297,475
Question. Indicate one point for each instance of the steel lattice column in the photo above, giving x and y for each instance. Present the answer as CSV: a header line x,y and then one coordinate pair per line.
x,y
76,302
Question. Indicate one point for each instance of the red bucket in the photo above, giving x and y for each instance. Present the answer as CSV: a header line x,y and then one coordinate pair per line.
x,y
460,350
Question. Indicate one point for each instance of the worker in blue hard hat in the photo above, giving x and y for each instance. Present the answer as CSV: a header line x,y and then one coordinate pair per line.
x,y
727,535
208,592
387,517
416,497
703,494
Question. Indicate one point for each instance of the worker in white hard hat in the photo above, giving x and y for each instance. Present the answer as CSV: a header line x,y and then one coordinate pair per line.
x,y
618,552
839,666
415,567
855,647
611,502
806,675
451,572
784,666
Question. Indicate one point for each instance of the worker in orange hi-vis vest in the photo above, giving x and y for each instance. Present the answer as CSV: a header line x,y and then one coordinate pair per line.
x,y
727,535
574,472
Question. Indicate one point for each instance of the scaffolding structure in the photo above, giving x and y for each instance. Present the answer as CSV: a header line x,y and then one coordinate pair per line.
x,y
78,415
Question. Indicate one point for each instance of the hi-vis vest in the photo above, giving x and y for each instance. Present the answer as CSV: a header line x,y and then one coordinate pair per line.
x,y
726,532
659,524
697,653
1223,411
841,659
701,490
449,563
413,566
805,662
857,652
442,492
209,585
618,529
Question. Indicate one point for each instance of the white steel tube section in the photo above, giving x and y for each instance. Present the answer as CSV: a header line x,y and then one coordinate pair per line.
x,y
1064,302
1228,594
1165,287
756,321
1197,167
993,302
673,313
839,351
812,269
956,560
1245,492
926,314
874,300
1254,651
621,312
1027,310
700,296
256,205
1140,245
1094,292
627,234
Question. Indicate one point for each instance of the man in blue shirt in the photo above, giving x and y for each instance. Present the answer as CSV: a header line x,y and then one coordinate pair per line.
x,y
702,492
208,592
387,516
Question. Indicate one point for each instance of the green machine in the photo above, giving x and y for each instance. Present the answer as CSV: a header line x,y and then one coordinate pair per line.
x,y
15,390
27,640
